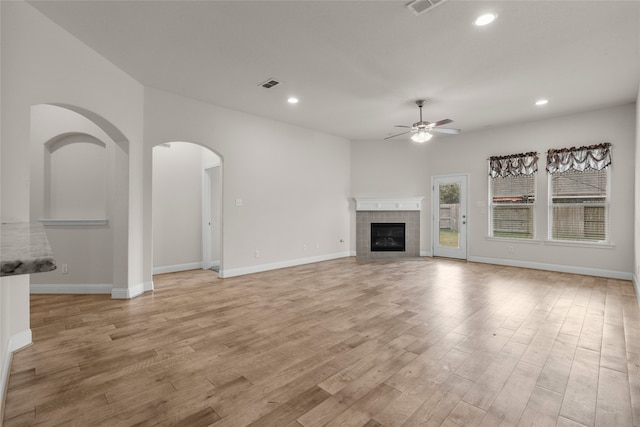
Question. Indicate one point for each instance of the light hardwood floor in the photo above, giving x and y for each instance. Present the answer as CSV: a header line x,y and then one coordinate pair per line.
x,y
393,343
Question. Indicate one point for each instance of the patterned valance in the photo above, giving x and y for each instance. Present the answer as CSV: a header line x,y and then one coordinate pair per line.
x,y
513,165
596,157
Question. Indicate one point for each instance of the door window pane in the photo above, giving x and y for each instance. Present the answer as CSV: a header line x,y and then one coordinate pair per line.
x,y
449,215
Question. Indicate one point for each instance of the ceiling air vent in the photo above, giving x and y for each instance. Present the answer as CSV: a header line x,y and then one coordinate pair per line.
x,y
421,6
270,83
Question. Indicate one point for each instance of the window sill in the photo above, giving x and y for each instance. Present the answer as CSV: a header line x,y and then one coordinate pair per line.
x,y
577,244
513,240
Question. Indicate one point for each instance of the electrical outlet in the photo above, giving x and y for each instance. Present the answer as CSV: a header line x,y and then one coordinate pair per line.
x,y
304,247
64,269
256,254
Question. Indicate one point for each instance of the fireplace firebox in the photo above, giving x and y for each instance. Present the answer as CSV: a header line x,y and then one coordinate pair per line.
x,y
387,236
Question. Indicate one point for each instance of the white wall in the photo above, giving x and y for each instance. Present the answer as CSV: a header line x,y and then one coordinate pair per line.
x,y
44,64
293,182
41,63
394,168
177,205
373,163
72,182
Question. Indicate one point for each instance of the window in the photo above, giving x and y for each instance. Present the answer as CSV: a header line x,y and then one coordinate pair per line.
x,y
513,195
579,193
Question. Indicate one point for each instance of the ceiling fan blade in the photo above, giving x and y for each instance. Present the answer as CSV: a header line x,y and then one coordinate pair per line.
x,y
398,134
441,122
445,130
403,126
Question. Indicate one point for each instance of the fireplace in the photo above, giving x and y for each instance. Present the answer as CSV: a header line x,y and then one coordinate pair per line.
x,y
388,236
400,217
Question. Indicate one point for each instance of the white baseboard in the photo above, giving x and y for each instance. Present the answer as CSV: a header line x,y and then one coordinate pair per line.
x,y
636,287
610,274
148,286
128,293
277,265
425,253
19,340
177,267
71,288
16,342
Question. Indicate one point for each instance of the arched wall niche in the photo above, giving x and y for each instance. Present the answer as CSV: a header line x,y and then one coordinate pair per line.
x,y
75,178
88,156
186,207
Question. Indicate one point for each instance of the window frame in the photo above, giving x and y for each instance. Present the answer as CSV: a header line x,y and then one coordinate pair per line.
x,y
607,212
531,206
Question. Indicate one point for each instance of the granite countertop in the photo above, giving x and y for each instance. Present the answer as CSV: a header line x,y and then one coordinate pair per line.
x,y
24,249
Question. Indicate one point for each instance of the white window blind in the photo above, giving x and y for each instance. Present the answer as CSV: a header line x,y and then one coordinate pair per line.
x,y
579,193
512,195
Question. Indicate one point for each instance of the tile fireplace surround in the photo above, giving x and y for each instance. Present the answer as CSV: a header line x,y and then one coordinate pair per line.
x,y
405,210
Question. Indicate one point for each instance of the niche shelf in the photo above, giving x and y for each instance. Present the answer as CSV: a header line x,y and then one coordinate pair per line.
x,y
74,222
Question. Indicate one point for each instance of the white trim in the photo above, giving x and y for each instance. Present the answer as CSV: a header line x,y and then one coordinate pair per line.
x,y
512,240
71,288
128,293
636,288
19,340
16,342
353,253
74,222
611,274
426,253
4,381
577,244
205,202
389,204
148,286
215,163
177,267
283,264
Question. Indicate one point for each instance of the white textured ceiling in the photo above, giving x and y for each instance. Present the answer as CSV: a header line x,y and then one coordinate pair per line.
x,y
357,66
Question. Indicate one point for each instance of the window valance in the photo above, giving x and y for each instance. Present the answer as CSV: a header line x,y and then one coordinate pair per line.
x,y
596,157
513,165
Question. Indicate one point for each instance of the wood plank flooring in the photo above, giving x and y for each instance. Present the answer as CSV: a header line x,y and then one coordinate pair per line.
x,y
338,343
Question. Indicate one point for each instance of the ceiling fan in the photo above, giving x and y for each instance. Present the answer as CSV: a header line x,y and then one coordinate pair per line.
x,y
422,131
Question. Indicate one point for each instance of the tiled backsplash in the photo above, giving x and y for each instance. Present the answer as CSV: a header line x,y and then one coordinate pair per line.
x,y
363,233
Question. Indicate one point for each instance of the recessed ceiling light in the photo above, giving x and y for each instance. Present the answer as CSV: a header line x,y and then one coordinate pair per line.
x,y
292,100
542,102
485,19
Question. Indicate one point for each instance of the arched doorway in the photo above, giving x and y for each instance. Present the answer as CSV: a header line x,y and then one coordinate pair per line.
x,y
186,207
79,190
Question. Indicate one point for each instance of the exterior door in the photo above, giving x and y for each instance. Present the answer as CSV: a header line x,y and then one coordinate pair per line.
x,y
450,216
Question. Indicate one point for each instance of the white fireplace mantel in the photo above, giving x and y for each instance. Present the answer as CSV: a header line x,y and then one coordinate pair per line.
x,y
389,204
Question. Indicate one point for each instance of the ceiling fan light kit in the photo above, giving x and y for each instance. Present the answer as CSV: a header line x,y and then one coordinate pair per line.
x,y
421,136
422,131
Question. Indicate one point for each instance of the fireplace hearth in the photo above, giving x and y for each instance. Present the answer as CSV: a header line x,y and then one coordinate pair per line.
x,y
387,236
